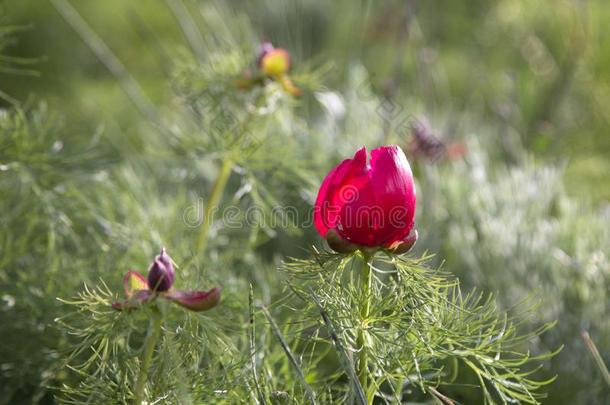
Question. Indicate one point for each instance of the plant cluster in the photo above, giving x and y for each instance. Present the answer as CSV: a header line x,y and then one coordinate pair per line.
x,y
366,316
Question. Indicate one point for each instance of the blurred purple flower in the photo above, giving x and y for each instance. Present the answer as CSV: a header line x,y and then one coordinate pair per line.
x,y
425,144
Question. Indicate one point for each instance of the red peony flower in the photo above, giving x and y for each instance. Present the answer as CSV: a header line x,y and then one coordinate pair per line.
x,y
368,204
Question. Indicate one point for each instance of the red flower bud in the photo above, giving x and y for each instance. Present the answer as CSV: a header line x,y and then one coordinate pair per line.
x,y
161,273
368,203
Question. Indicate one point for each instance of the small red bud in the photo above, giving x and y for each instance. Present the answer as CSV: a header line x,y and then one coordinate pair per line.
x,y
161,273
274,62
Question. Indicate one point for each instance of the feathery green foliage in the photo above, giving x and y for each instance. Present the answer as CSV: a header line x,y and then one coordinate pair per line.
x,y
421,327
519,218
92,187
48,223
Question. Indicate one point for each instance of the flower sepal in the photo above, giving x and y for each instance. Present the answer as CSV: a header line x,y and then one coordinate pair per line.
x,y
195,300
338,243
341,245
135,301
405,245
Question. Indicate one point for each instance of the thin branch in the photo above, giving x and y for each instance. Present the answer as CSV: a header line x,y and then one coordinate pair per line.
x,y
445,400
596,356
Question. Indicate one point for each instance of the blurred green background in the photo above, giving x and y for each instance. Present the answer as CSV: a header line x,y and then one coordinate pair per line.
x,y
540,66
524,84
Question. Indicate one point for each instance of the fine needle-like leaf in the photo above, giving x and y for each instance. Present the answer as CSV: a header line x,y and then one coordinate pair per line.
x,y
252,342
288,351
592,348
345,359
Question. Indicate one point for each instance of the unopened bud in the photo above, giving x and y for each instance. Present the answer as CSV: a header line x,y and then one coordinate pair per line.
x,y
274,61
161,273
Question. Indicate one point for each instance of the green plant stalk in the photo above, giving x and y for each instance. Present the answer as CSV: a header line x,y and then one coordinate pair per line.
x,y
365,284
221,182
154,331
599,361
212,205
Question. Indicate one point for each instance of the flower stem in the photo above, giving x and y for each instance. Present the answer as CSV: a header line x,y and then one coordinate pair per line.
x,y
154,330
365,285
221,181
212,205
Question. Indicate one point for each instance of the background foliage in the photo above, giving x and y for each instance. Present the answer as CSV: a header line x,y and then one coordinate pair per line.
x,y
92,183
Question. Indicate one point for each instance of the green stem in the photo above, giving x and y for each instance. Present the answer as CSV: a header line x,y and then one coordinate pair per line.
x,y
212,205
221,181
599,361
365,284
154,330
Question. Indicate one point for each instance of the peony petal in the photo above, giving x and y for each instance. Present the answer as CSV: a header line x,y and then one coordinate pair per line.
x,y
195,300
335,190
134,281
369,205
360,218
394,189
324,217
